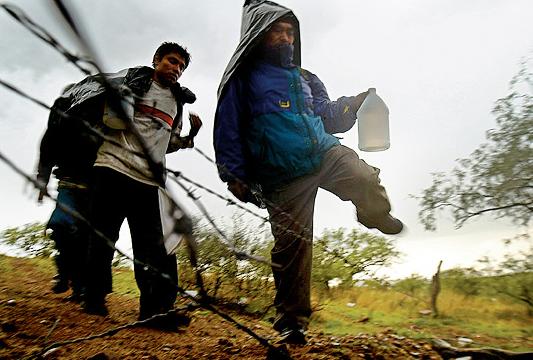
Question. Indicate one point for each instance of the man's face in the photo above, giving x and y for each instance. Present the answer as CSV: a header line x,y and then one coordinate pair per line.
x,y
280,33
169,69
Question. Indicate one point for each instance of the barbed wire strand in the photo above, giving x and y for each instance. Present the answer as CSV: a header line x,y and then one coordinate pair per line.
x,y
239,254
45,36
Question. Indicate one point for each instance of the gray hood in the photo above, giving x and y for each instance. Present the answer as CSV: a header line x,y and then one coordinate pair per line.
x,y
257,17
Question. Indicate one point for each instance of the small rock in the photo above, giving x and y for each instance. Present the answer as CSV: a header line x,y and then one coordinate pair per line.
x,y
192,293
243,301
350,304
11,302
363,320
425,312
464,341
441,343
397,337
336,343
50,352
165,348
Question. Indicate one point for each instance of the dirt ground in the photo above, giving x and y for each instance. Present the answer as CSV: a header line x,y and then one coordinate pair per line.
x,y
32,319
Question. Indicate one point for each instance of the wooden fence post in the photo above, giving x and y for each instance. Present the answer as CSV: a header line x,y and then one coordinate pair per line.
x,y
435,290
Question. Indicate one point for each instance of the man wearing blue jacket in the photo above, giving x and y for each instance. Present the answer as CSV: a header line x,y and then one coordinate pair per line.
x,y
273,130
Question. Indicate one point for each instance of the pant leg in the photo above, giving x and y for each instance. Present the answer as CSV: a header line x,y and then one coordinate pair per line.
x,y
108,211
158,293
61,258
64,229
344,174
291,217
79,242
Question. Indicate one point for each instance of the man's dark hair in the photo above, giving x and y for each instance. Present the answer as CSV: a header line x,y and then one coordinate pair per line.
x,y
171,47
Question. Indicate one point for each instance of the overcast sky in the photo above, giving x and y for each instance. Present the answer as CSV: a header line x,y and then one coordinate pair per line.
x,y
439,65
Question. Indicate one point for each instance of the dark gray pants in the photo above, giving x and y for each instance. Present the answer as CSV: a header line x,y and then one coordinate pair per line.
x,y
118,197
291,209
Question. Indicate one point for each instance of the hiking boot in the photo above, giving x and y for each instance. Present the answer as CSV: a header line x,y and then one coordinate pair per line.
x,y
387,225
60,286
75,297
171,322
293,335
94,308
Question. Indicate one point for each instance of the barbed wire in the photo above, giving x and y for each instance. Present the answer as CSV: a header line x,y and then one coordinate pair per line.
x,y
105,137
44,35
113,331
239,254
297,236
154,166
202,302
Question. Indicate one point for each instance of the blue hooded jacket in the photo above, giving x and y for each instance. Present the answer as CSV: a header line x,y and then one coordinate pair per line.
x,y
274,120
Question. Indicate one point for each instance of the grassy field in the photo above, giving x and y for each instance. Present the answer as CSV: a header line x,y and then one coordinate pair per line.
x,y
488,322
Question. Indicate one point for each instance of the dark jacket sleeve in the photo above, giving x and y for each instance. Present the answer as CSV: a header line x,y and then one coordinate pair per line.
x,y
228,137
46,157
338,116
49,147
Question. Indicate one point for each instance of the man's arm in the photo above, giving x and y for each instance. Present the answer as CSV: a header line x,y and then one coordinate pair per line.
x,y
228,138
338,116
185,142
229,141
47,160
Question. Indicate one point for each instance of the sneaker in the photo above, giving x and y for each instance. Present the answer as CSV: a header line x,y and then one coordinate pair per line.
x,y
294,335
387,225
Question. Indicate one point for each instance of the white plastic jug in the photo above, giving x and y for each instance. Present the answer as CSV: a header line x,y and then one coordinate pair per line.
x,y
373,123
